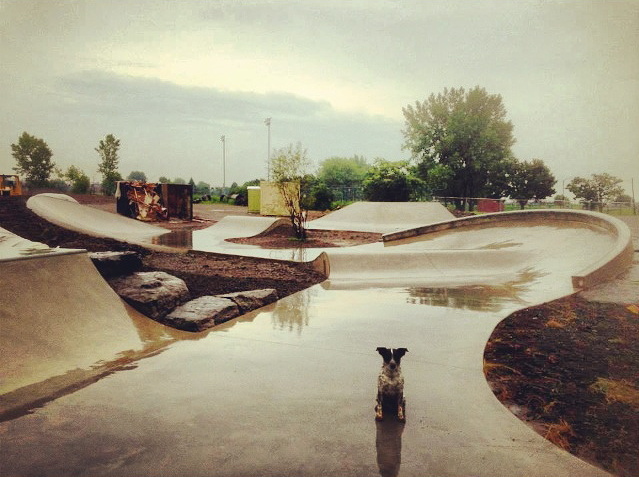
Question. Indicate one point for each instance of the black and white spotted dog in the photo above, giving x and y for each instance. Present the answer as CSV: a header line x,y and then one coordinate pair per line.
x,y
390,384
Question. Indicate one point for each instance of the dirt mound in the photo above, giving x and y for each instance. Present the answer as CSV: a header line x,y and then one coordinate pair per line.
x,y
570,369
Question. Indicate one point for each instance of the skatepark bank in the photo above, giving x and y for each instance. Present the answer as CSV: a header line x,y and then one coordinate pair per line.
x,y
313,325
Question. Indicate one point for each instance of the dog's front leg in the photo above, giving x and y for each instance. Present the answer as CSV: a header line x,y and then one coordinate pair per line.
x,y
401,405
379,411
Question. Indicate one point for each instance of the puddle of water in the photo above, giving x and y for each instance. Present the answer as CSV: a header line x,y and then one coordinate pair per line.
x,y
203,241
475,298
480,297
176,238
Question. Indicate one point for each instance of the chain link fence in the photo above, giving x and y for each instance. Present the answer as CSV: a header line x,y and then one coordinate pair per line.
x,y
481,204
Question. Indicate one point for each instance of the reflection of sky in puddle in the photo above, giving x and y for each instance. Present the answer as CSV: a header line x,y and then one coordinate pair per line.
x,y
292,314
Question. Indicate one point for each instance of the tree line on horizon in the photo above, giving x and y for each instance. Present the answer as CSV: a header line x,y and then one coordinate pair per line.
x,y
460,144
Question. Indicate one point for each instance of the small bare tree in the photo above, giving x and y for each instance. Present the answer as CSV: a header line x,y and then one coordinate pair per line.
x,y
288,167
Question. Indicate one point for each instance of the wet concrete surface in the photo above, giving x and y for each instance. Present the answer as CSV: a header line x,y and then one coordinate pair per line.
x,y
290,389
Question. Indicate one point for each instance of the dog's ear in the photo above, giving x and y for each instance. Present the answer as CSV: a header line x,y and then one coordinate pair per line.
x,y
398,353
386,353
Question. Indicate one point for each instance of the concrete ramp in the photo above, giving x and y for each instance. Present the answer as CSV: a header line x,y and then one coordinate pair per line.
x,y
61,322
233,226
382,217
65,212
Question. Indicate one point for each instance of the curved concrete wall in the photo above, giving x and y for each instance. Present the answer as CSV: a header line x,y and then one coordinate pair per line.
x,y
618,258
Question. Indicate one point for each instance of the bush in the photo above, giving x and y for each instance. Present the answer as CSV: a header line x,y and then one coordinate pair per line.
x,y
390,182
320,197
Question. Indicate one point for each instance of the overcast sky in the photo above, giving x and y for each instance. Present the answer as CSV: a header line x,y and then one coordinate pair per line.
x,y
168,78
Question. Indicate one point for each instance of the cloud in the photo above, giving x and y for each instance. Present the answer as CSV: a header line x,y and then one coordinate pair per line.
x,y
169,129
171,77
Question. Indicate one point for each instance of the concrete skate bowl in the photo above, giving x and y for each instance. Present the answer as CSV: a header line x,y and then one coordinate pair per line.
x,y
554,252
210,400
609,262
232,226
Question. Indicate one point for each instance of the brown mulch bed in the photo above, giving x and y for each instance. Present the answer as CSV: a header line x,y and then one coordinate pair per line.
x,y
570,368
284,237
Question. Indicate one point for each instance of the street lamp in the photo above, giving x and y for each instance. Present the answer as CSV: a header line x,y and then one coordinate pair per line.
x,y
223,139
267,121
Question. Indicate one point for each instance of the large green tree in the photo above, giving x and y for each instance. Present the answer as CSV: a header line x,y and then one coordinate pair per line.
x,y
461,141
530,180
108,150
33,158
596,191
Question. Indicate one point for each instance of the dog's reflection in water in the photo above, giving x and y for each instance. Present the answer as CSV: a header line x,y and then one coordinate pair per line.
x,y
389,446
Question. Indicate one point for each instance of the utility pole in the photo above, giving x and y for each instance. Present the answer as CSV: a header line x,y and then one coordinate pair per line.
x,y
267,121
223,139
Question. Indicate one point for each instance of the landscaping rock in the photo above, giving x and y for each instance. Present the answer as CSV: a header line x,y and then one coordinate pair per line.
x,y
154,294
253,299
202,313
113,264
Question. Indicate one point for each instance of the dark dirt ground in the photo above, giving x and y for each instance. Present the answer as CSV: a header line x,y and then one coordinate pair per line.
x,y
568,368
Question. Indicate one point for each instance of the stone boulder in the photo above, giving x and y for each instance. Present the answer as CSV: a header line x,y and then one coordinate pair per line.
x,y
208,311
253,299
154,294
113,264
202,313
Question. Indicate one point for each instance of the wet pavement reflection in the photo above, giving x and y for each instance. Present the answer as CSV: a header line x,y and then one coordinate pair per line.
x,y
289,389
293,314
479,298
492,298
388,445
286,390
180,239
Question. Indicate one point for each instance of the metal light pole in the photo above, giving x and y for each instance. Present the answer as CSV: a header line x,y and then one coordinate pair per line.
x,y
267,121
223,139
